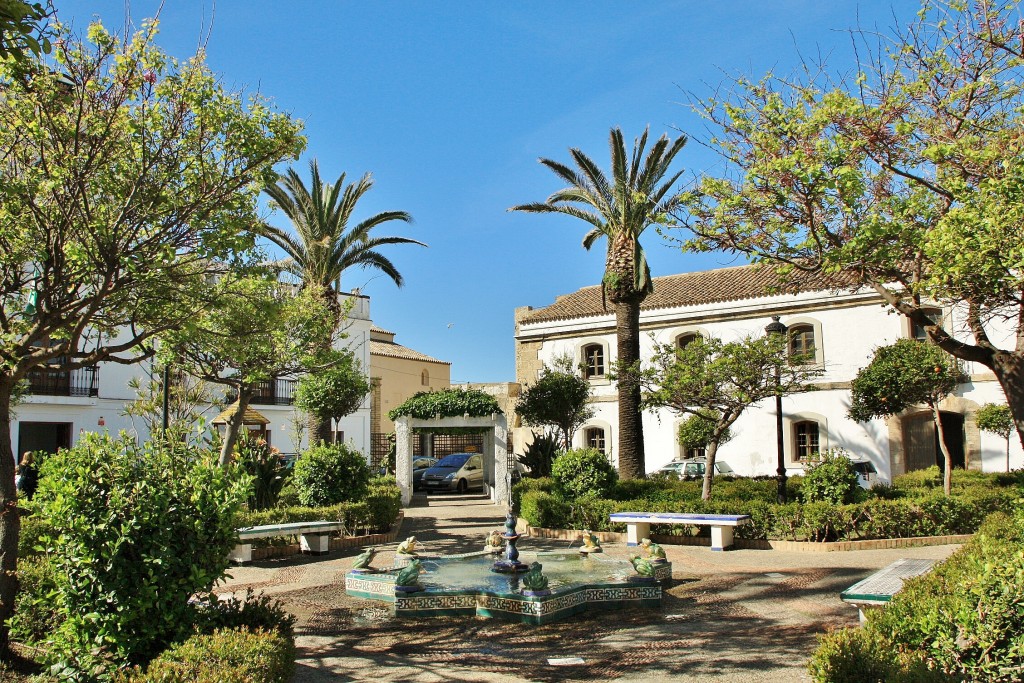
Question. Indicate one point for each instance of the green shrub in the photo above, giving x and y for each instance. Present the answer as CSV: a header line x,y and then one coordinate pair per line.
x,y
856,655
832,479
583,472
331,473
34,532
541,509
38,609
383,503
526,485
139,530
224,656
252,612
267,471
966,616
289,495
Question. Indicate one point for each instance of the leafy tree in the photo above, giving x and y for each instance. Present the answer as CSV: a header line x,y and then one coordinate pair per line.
x,y
23,29
255,330
559,398
324,244
124,178
902,375
905,179
696,431
188,399
139,531
710,377
333,393
996,418
619,209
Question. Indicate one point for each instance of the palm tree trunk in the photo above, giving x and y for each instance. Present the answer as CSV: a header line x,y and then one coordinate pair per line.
x,y
631,434
10,516
948,461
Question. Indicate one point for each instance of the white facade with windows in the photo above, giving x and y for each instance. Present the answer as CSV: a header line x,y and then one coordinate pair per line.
x,y
833,329
62,407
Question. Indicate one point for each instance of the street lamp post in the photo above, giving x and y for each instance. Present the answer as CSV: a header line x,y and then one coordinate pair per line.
x,y
776,327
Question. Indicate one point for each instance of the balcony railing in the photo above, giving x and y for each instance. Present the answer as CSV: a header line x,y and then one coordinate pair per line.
x,y
277,392
83,382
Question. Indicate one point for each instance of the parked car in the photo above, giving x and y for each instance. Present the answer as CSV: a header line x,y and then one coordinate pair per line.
x,y
692,469
419,466
867,475
456,472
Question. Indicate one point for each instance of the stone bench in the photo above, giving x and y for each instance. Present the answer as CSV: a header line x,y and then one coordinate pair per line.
x,y
638,525
313,537
878,589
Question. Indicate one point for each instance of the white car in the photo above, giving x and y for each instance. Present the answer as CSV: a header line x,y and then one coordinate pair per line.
x,y
692,469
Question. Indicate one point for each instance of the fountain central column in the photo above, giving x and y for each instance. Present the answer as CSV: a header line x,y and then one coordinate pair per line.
x,y
510,564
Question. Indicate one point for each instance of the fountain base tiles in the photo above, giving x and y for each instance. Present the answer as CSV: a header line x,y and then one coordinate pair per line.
x,y
578,585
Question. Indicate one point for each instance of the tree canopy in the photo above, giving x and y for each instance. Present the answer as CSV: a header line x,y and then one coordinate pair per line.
x,y
905,176
904,374
336,391
711,378
559,398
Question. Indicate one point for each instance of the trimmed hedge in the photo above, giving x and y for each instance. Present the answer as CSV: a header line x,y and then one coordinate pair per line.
x,y
919,508
375,513
964,620
224,656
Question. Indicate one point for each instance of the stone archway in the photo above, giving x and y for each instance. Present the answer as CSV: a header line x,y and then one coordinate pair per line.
x,y
496,477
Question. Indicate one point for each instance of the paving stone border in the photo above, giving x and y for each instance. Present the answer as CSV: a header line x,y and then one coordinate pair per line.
x,y
274,551
757,544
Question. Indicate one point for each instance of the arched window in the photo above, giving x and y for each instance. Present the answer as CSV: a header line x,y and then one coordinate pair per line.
x,y
594,438
917,331
425,378
593,361
686,338
802,346
806,440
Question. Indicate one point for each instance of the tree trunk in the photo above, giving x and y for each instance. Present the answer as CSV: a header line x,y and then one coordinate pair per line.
x,y
235,425
631,434
1009,370
709,466
10,516
319,430
947,469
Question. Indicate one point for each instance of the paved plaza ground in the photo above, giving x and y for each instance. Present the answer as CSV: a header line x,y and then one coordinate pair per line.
x,y
744,615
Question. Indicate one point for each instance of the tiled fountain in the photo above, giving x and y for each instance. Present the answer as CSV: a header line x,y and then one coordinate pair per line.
x,y
475,584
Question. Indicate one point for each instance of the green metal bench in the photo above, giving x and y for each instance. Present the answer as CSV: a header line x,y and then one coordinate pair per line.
x,y
314,537
878,589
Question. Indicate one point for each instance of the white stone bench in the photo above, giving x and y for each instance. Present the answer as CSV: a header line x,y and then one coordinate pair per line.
x,y
878,589
314,537
638,525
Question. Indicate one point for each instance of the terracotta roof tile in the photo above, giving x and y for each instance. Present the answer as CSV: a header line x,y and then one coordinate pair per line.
x,y
393,350
694,289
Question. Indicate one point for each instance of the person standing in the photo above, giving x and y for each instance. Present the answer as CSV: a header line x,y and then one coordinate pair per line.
x,y
28,476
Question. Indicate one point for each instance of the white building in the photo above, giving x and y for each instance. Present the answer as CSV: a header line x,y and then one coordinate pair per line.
x,y
60,407
842,328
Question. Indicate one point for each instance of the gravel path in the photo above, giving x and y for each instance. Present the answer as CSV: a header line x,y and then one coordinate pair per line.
x,y
744,615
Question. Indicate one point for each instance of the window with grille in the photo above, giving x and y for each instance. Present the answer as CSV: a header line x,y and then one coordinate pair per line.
x,y
594,436
806,440
685,339
801,345
917,331
425,378
593,360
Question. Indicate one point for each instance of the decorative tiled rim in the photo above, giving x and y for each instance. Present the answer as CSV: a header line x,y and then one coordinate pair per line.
x,y
531,610
758,544
391,536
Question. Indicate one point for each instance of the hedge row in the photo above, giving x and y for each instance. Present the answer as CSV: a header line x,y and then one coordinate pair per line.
x,y
225,656
374,514
963,621
931,514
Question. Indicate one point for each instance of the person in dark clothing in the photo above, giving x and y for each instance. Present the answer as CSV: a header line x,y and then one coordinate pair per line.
x,y
28,476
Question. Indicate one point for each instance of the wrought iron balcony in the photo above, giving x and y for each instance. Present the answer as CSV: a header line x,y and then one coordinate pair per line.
x,y
278,392
83,382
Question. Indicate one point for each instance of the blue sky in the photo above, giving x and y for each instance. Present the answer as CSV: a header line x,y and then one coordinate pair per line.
x,y
450,104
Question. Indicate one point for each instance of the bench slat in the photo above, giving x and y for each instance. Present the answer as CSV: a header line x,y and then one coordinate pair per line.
x,y
679,518
288,529
886,582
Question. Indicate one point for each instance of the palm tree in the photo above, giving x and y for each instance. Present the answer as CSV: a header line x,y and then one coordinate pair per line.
x,y
636,197
324,245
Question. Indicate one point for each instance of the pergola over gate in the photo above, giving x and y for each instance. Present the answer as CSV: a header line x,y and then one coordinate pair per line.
x,y
496,476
